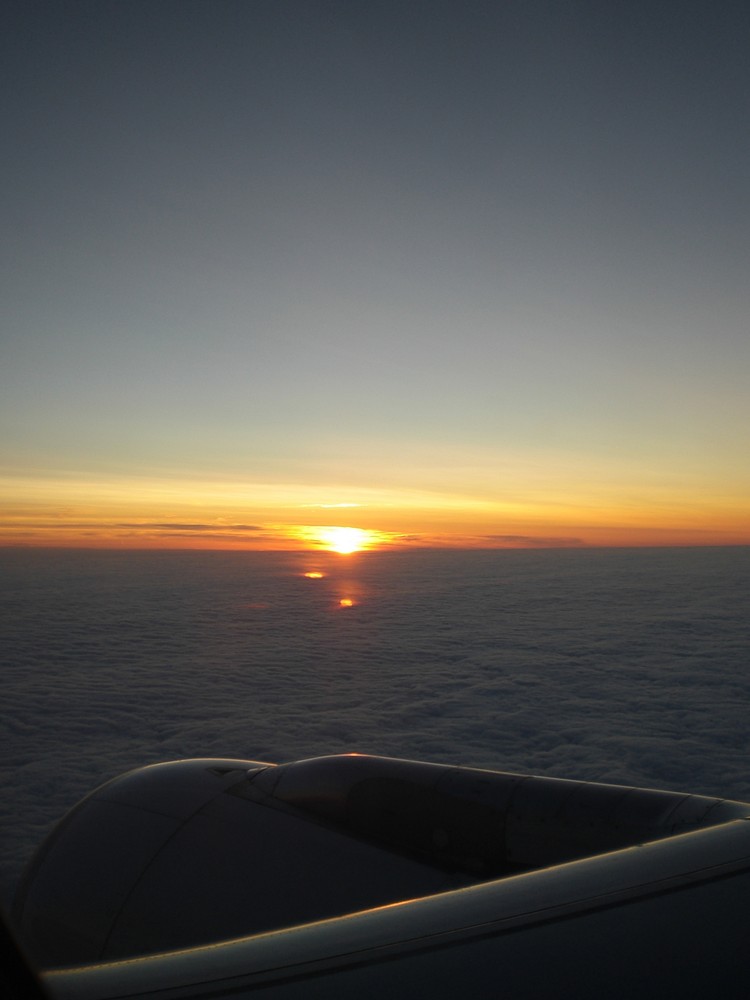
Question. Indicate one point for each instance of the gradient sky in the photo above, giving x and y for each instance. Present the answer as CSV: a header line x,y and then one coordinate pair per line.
x,y
478,268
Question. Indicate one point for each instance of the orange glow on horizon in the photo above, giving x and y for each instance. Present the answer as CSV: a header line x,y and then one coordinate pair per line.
x,y
107,535
346,602
314,575
141,513
345,540
337,538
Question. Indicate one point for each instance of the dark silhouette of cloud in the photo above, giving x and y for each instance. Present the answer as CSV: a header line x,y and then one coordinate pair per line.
x,y
178,526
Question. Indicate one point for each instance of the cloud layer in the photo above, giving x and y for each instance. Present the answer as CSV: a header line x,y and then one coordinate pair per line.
x,y
623,666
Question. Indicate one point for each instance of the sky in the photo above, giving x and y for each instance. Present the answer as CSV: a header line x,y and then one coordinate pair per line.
x,y
466,274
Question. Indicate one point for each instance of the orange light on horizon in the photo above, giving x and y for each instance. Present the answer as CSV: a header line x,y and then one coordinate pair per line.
x,y
346,540
346,602
136,512
314,574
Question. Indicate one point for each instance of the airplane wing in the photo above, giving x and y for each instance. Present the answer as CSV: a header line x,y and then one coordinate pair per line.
x,y
349,875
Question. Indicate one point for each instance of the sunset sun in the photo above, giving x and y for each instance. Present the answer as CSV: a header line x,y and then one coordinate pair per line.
x,y
345,540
